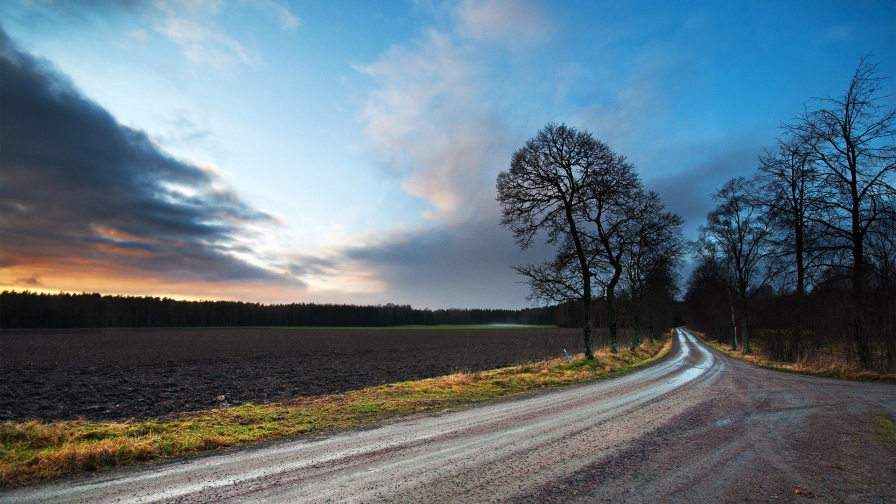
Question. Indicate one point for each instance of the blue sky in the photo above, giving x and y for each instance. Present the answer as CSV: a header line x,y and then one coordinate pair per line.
x,y
369,135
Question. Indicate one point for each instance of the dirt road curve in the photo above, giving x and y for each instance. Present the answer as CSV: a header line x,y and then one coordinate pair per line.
x,y
696,427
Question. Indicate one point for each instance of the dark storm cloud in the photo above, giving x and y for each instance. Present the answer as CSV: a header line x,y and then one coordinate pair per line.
x,y
88,13
689,192
303,265
99,6
431,267
79,187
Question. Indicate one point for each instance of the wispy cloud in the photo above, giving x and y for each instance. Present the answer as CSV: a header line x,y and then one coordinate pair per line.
x,y
507,22
841,32
184,131
430,120
191,24
278,12
207,44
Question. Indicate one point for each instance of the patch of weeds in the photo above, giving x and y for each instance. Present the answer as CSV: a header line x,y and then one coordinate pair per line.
x,y
885,429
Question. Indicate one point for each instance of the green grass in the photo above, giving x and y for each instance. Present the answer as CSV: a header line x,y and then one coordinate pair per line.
x,y
39,450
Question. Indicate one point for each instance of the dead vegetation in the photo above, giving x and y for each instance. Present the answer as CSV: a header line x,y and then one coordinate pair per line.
x,y
829,368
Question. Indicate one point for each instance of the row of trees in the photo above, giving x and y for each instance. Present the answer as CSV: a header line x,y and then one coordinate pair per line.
x,y
33,310
615,242
804,251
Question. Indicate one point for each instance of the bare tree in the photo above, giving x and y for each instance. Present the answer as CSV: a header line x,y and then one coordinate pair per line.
x,y
788,189
851,140
654,255
542,194
735,242
882,255
612,214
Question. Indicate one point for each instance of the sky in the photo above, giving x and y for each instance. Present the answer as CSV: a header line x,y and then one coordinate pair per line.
x,y
347,152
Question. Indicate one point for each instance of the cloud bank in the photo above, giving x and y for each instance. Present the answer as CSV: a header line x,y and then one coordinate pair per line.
x,y
81,194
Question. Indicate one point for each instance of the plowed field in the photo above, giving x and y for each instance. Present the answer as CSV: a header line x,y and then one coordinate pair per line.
x,y
144,373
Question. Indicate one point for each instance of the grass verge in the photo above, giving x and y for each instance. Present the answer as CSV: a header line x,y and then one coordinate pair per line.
x,y
39,450
757,358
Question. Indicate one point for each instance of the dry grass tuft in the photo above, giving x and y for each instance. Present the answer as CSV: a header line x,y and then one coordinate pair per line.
x,y
830,369
38,450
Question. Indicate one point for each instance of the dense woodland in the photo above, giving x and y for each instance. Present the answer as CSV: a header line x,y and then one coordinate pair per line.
x,y
32,310
22,310
802,255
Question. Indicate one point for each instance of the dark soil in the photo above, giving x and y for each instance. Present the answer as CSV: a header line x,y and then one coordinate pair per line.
x,y
144,373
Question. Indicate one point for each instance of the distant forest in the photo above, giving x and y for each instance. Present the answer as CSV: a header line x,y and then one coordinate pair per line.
x,y
34,310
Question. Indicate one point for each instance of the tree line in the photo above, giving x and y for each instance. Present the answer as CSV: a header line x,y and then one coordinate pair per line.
x,y
63,310
616,246
802,254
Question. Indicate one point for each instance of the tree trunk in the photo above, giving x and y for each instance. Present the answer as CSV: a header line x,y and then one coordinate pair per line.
x,y
793,349
745,335
733,329
611,305
863,349
589,321
586,281
637,338
858,264
611,319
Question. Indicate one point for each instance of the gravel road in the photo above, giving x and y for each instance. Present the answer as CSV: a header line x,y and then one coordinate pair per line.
x,y
695,427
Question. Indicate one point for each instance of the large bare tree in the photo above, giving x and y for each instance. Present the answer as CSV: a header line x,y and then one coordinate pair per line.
x,y
542,194
788,184
612,213
850,138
